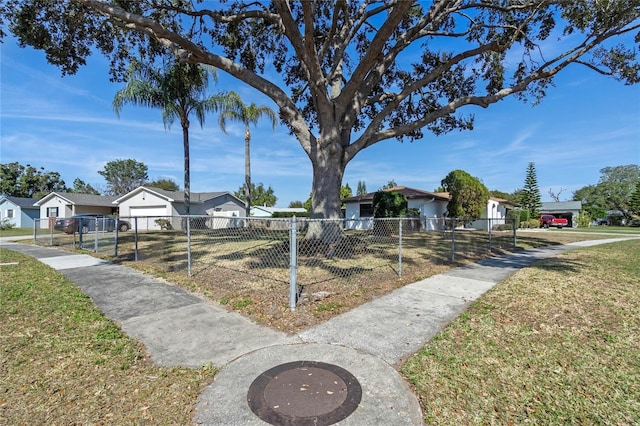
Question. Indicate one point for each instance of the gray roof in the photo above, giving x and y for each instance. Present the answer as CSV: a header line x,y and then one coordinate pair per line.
x,y
22,202
83,199
195,197
561,206
409,193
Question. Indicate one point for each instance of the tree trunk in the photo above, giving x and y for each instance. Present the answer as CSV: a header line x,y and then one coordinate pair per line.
x,y
328,171
187,179
247,172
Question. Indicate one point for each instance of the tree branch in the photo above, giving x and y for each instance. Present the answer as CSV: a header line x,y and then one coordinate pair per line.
x,y
188,51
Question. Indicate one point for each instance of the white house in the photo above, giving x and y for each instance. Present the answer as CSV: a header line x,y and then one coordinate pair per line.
x,y
432,207
66,204
19,211
494,214
144,206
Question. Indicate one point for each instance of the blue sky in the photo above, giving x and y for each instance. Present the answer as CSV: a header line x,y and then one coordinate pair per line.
x,y
67,124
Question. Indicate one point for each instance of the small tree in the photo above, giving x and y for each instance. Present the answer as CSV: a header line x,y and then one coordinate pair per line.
x,y
124,176
634,202
166,184
530,194
469,196
261,196
389,204
362,188
391,184
80,187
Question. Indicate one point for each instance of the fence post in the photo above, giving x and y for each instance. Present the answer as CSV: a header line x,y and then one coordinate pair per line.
x,y
115,237
95,237
453,239
135,238
515,242
400,248
189,245
51,236
293,262
489,219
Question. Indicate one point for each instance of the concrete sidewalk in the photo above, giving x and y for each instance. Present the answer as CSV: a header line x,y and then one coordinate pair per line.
x,y
369,341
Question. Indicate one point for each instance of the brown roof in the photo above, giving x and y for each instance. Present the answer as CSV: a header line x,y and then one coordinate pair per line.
x,y
409,193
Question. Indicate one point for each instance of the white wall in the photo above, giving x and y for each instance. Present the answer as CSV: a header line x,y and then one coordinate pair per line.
x,y
64,210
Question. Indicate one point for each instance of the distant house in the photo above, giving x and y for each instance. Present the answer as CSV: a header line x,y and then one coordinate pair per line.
x,y
564,209
432,208
263,211
494,214
19,211
66,204
145,205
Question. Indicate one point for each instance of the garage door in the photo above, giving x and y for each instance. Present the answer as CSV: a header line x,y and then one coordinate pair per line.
x,y
148,216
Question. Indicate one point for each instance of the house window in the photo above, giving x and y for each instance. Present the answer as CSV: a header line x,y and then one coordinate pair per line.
x,y
9,213
366,210
52,212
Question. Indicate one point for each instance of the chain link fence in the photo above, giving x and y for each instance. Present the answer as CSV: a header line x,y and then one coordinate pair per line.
x,y
96,234
305,256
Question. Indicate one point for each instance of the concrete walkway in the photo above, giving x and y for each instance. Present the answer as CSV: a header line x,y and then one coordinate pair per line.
x,y
370,341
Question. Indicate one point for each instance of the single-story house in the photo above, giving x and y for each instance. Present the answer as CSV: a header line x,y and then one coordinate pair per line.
x,y
19,211
144,206
263,211
431,205
564,209
66,204
432,208
494,214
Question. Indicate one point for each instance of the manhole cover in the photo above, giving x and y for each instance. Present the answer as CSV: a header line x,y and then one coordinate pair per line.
x,y
304,393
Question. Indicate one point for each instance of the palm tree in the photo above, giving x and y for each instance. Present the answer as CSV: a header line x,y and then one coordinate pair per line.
x,y
178,90
247,115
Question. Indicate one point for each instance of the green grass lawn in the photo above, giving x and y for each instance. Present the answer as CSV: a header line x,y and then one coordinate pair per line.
x,y
63,362
15,232
608,230
557,343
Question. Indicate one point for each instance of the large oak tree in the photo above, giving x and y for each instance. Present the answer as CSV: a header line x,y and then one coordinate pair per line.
x,y
346,75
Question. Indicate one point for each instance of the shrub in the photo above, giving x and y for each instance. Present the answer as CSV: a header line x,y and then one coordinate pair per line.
x,y
164,224
276,215
584,220
6,224
514,215
533,223
389,204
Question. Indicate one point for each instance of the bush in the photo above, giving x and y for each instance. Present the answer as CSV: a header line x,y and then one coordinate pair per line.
x,y
277,215
164,224
530,224
6,224
584,220
525,215
514,215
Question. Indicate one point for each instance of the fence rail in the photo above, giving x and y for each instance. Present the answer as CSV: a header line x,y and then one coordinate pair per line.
x,y
301,253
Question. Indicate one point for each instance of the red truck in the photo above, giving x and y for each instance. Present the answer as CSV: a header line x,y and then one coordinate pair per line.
x,y
547,220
